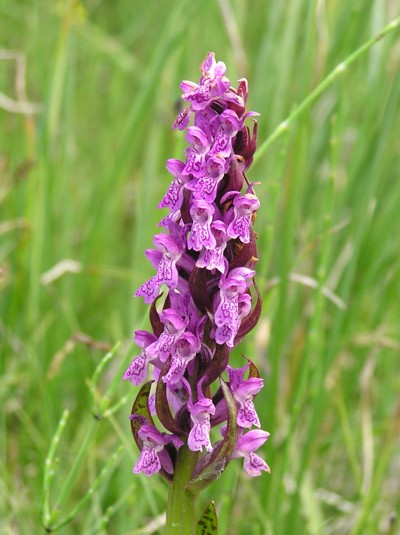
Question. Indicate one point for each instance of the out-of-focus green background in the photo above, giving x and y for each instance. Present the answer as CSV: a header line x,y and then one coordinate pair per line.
x,y
88,91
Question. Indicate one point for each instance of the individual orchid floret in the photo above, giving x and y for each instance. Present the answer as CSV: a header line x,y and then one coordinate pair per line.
x,y
183,305
139,367
153,455
214,72
206,186
228,125
229,122
196,154
200,233
246,446
184,351
241,219
198,139
227,317
213,84
195,164
243,391
169,251
231,286
174,196
204,119
226,334
174,326
214,258
200,413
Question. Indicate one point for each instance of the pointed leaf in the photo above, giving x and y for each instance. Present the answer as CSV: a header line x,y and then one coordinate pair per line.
x,y
185,208
253,370
141,408
198,282
162,405
221,413
218,460
235,176
246,146
208,523
217,365
244,253
156,324
250,321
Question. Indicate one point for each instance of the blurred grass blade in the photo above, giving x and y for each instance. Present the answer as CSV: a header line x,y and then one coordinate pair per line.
x,y
105,472
50,469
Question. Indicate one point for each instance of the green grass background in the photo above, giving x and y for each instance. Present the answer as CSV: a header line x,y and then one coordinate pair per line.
x,y
81,180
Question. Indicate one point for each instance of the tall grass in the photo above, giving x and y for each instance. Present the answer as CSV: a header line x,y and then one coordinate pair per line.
x,y
80,181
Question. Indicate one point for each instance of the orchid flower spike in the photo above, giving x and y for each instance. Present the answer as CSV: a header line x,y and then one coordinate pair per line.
x,y
202,296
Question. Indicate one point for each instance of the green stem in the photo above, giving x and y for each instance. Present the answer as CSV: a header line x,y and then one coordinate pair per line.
x,y
182,504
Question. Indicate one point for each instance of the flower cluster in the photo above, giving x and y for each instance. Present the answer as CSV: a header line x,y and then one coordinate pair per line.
x,y
203,296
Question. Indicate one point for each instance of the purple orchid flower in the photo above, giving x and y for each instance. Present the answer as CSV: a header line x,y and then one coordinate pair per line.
x,y
185,349
243,392
200,234
246,446
227,311
240,220
168,252
139,367
213,84
206,186
200,413
153,454
174,196
174,326
212,259
201,295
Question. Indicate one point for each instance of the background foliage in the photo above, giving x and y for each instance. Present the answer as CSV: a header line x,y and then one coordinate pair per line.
x,y
80,181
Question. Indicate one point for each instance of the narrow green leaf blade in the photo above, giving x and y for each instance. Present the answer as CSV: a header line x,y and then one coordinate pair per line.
x,y
141,408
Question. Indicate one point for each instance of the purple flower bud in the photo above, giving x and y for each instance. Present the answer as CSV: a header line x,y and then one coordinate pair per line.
x,y
213,84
